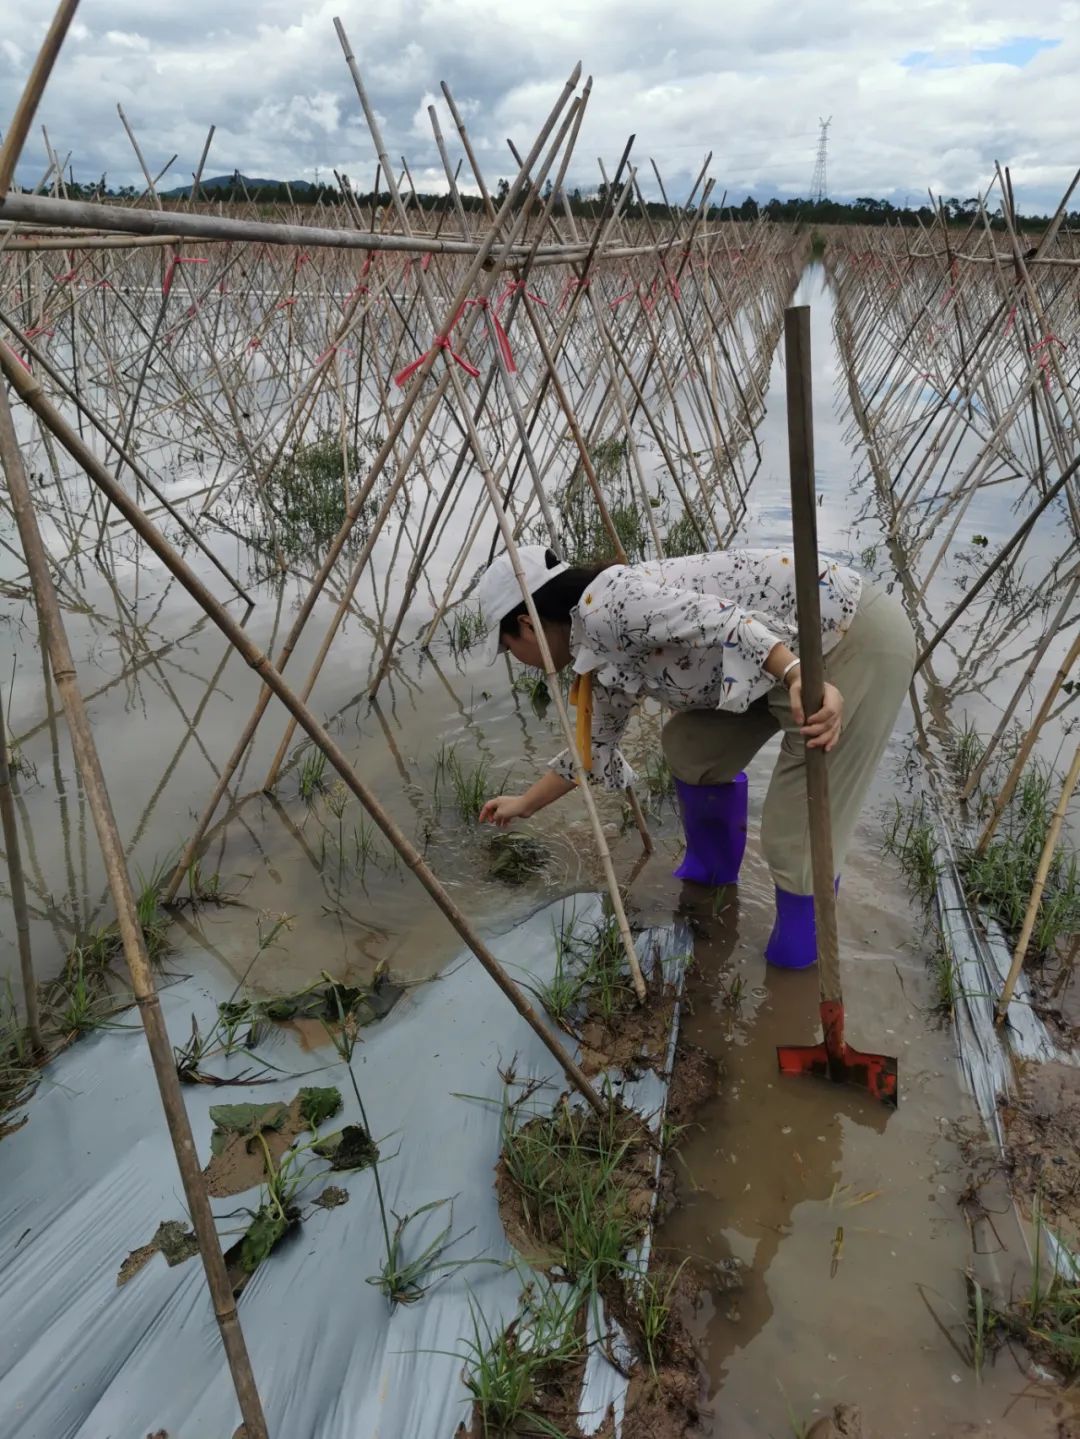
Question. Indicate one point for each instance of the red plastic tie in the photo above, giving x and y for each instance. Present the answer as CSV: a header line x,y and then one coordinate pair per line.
x,y
440,342
512,288
166,284
500,334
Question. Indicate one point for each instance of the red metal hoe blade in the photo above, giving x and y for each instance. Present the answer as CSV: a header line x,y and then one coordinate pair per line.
x,y
836,1060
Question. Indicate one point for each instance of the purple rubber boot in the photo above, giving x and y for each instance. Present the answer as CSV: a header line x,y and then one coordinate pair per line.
x,y
793,942
714,822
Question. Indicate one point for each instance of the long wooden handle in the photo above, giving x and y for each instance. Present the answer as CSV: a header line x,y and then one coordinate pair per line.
x,y
808,600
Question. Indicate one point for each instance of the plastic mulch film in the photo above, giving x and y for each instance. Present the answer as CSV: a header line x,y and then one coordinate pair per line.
x,y
981,955
91,1175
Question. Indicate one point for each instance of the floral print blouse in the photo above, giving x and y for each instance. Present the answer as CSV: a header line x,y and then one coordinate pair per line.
x,y
693,632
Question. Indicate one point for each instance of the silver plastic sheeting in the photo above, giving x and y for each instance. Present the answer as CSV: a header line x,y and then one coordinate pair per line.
x,y
981,956
91,1175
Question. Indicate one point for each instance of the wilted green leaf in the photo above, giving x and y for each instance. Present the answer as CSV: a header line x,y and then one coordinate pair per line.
x,y
348,1148
317,1105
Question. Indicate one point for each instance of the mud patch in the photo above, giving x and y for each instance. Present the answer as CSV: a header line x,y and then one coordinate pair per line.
x,y
173,1240
695,1079
667,1388
845,1422
575,1189
250,1137
1042,1150
631,1041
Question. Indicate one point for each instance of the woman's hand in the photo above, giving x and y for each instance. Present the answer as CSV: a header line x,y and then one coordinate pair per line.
x,y
821,730
505,808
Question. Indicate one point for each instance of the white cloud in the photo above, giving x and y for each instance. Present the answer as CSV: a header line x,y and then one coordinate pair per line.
x,y
922,92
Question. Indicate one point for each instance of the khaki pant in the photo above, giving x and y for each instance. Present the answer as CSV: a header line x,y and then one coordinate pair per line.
x,y
872,668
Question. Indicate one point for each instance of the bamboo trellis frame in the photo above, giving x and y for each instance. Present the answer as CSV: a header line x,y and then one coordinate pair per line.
x,y
963,372
278,356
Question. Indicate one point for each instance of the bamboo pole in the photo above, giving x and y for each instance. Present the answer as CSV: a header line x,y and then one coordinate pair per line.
x,y
196,225
10,828
30,391
1053,834
1009,787
138,962
33,90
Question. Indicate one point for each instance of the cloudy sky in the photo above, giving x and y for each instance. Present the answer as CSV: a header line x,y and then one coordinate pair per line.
x,y
922,93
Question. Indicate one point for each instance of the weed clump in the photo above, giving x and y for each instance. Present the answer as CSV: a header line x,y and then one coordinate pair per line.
x,y
576,1188
518,1374
305,494
1046,1320
516,858
587,539
683,537
1001,879
909,837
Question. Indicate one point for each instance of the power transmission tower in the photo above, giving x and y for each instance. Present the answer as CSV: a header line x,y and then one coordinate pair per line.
x,y
819,185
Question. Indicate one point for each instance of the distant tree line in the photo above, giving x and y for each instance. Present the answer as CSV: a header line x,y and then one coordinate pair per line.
x,y
589,203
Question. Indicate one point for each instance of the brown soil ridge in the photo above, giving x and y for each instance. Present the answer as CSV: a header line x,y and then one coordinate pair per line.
x,y
1042,1144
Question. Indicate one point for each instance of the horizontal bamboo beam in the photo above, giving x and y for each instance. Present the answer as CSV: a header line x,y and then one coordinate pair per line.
x,y
174,227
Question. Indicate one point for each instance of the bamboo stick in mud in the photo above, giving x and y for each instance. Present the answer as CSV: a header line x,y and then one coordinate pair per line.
x,y
135,955
30,391
1002,555
1053,834
1007,713
17,131
10,829
140,474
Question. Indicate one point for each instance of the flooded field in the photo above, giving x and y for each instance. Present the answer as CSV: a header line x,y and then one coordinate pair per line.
x,y
832,1240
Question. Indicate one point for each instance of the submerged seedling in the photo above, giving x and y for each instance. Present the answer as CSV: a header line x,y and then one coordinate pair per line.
x,y
516,858
469,784
311,778
466,625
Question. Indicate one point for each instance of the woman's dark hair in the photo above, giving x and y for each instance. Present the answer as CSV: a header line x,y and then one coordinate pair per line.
x,y
555,599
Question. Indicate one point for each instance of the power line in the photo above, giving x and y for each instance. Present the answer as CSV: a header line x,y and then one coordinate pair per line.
x,y
819,185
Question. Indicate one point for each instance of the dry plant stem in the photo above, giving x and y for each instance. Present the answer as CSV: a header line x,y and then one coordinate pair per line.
x,y
10,829
506,528
138,963
1053,834
30,98
1013,779
30,391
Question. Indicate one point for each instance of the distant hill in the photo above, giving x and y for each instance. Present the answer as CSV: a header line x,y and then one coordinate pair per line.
x,y
227,182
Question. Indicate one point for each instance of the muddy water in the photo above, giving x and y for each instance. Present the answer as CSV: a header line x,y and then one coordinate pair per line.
x,y
844,1215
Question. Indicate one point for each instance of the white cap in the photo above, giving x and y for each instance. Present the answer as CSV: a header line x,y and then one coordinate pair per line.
x,y
499,591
